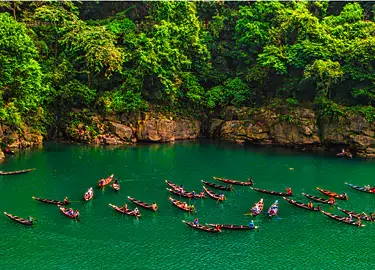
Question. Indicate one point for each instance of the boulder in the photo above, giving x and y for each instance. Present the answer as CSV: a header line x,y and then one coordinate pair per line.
x,y
124,132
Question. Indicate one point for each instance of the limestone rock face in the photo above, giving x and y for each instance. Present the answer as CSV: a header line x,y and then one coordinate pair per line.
x,y
124,132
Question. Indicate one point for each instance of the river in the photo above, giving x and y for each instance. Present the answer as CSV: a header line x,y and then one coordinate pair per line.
x,y
104,239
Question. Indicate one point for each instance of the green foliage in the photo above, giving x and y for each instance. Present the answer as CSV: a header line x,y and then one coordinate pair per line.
x,y
182,57
120,101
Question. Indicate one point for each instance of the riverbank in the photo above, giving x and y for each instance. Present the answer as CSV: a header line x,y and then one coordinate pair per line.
x,y
295,127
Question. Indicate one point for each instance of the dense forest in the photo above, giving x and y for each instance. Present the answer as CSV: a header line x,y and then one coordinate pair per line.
x,y
57,57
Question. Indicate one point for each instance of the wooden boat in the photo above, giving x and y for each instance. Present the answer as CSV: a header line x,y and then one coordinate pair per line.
x,y
8,152
181,205
142,204
260,208
227,188
17,172
19,219
65,212
201,227
317,199
174,186
355,214
88,196
187,194
363,189
272,192
302,205
213,194
333,194
234,182
233,227
50,201
106,181
116,186
342,219
126,212
272,212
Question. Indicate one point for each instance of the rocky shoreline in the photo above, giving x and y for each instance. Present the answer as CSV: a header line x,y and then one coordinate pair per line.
x,y
287,127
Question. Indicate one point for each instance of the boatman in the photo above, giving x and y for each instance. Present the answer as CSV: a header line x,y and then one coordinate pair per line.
x,y
195,222
154,206
66,201
251,224
332,200
289,191
310,205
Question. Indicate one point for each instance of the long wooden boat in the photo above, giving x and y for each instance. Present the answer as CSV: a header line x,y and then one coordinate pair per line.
x,y
180,204
272,192
126,212
50,201
88,196
342,219
17,172
363,189
106,181
317,199
302,205
142,204
174,186
213,194
253,209
19,219
201,227
355,214
187,194
234,182
65,212
233,227
227,188
333,194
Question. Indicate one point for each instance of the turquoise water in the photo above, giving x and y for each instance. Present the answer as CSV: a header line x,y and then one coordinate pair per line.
x,y
104,239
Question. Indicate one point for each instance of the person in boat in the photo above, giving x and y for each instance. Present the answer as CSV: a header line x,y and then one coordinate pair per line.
x,y
115,182
136,211
70,212
181,188
372,217
192,208
30,219
221,197
185,205
195,222
332,200
154,206
255,209
101,182
194,193
364,215
202,194
66,201
367,188
250,180
76,214
125,207
310,204
251,224
350,218
289,191
217,227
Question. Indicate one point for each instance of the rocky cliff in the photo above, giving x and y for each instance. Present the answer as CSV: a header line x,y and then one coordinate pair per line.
x,y
297,127
125,129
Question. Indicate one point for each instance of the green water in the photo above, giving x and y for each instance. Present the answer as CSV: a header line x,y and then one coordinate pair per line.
x,y
103,239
